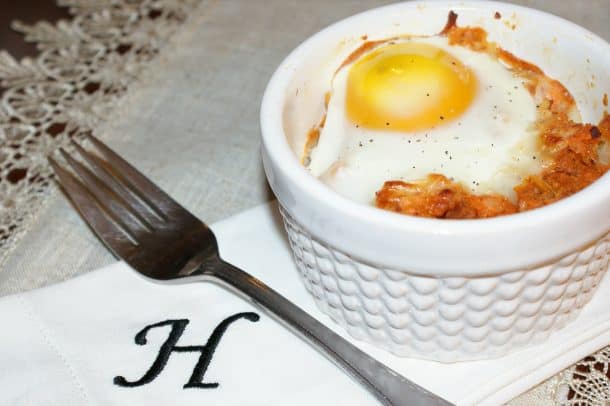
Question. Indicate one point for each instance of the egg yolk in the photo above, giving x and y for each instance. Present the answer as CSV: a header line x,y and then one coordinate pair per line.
x,y
408,87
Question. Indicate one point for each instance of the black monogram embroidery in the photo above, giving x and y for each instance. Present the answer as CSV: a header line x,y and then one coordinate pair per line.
x,y
206,351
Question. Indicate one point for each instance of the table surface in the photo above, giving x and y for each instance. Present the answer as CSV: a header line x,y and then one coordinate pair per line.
x,y
190,122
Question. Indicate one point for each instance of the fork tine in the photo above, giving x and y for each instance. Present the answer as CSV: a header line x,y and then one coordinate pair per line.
x,y
145,189
116,239
130,222
147,214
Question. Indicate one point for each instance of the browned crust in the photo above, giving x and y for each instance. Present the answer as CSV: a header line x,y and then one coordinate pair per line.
x,y
451,23
576,163
439,197
313,136
518,63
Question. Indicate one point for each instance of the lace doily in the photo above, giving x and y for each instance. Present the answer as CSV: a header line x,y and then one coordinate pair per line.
x,y
588,382
584,384
84,69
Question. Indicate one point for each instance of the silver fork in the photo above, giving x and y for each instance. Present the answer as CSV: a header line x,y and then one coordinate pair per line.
x,y
161,240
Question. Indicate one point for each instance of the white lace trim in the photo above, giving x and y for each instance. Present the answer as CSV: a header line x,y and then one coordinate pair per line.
x,y
84,69
587,383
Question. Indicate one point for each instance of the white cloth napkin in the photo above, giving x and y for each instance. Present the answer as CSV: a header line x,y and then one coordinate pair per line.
x,y
65,344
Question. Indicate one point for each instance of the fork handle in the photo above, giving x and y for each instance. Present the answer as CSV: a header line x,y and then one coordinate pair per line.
x,y
391,388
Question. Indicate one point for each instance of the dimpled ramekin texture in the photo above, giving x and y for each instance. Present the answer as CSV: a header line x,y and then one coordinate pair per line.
x,y
446,319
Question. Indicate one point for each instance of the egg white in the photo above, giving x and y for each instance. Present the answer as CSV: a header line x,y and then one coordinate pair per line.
x,y
489,149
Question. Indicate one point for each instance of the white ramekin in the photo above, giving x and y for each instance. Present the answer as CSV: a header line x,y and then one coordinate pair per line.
x,y
447,290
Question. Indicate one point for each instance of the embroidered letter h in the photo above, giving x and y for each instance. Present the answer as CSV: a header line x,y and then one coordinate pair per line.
x,y
206,351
